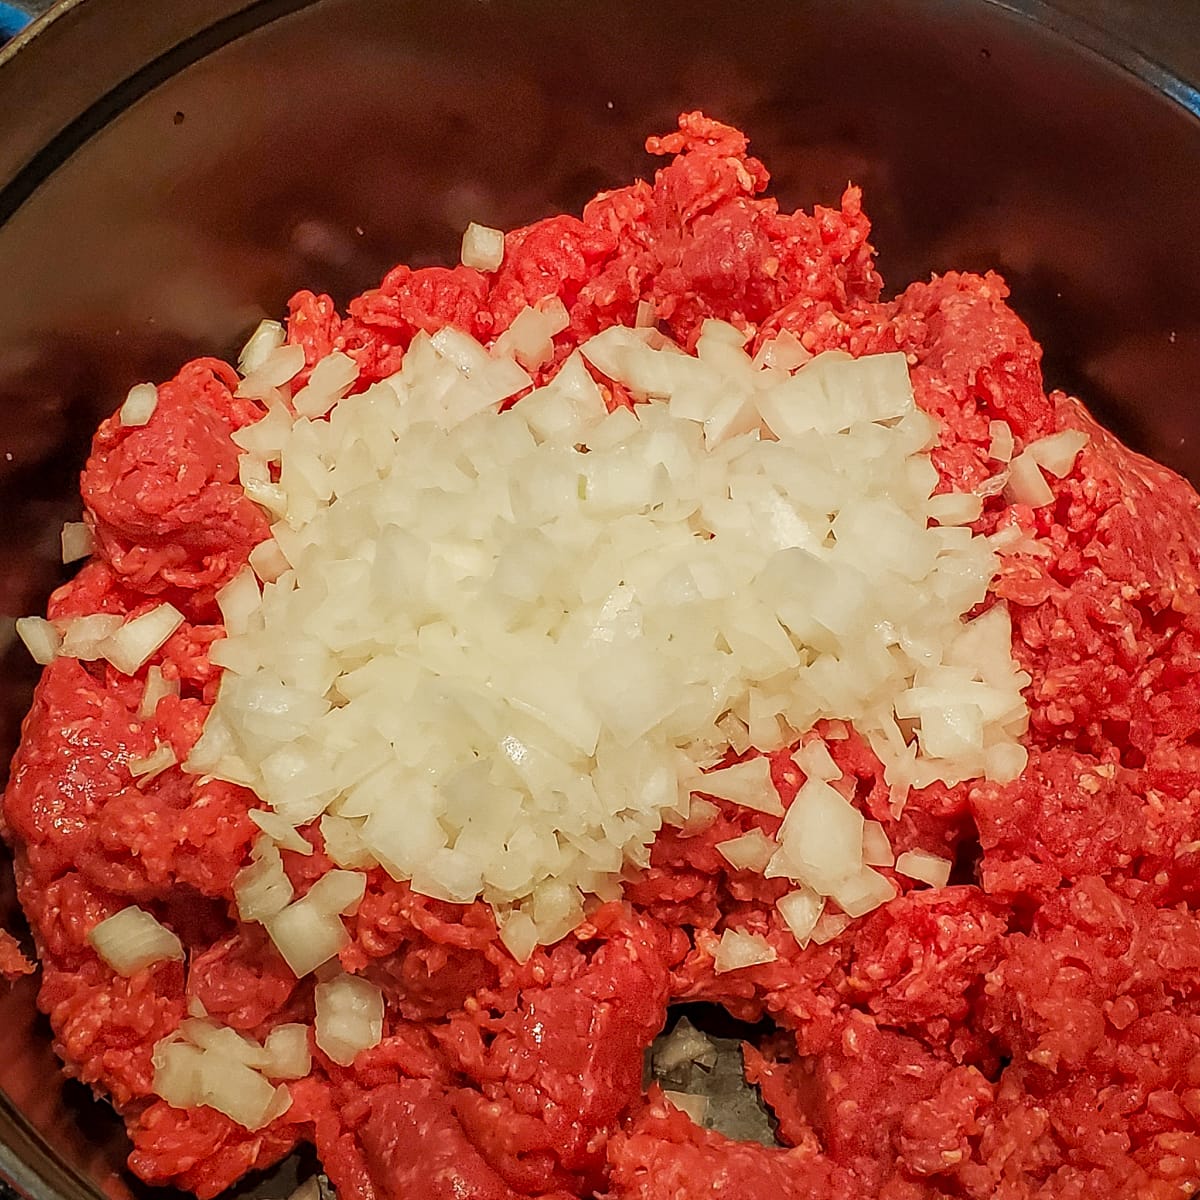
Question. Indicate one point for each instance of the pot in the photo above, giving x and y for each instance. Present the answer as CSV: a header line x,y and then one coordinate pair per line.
x,y
178,170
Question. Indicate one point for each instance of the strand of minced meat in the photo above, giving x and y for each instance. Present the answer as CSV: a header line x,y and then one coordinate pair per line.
x,y
1031,1030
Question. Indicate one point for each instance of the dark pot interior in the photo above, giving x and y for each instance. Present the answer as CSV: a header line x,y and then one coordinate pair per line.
x,y
180,169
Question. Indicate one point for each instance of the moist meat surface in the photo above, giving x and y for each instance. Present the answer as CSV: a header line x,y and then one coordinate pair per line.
x,y
1031,1030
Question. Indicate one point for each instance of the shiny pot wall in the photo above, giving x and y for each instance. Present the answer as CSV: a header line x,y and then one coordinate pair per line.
x,y
178,169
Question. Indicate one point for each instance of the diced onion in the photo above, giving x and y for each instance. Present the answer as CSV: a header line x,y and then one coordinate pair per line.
x,y
1057,452
800,911
746,783
131,646
328,383
268,561
863,892
750,852
160,759
177,1073
338,891
87,637
306,936
139,405
239,601
814,759
519,933
41,639
132,939
829,926
207,1064
77,541
877,849
738,950
493,652
238,1091
281,831
1002,442
158,687
482,247
1026,484
822,837
267,337
262,889
286,1053
955,508
701,814
349,1017
928,868
276,369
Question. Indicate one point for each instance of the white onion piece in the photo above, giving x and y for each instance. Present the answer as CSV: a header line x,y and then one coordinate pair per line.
x,y
239,1092
240,601
344,844
932,869
329,381
829,926
1057,452
814,759
147,767
267,561
203,1063
750,852
306,936
267,337
863,892
738,950
227,1043
530,337
177,1073
132,939
822,838
40,637
276,369
338,891
955,508
1026,484
158,687
701,814
877,849
286,1053
77,541
86,637
519,933
262,889
746,783
800,911
132,645
281,831
349,1017
1003,444
139,405
482,247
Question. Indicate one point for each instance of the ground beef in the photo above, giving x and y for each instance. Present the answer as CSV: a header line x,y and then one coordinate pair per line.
x,y
1032,1030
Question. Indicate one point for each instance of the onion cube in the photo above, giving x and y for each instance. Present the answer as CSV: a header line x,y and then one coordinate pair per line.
x,y
132,939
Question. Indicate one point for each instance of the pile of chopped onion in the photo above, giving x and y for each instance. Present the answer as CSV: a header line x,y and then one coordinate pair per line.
x,y
494,652
203,1063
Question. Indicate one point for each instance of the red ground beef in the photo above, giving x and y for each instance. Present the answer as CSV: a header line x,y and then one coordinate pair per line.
x,y
1032,1030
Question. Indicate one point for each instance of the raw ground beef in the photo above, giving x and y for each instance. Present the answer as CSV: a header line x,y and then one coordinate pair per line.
x,y
1031,1030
